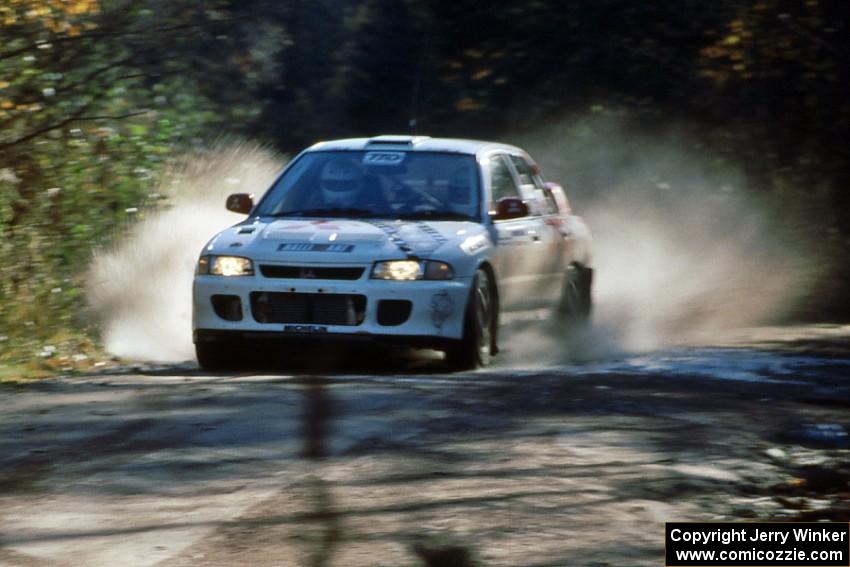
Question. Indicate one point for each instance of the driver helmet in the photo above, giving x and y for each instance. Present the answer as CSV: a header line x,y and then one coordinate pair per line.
x,y
341,181
460,192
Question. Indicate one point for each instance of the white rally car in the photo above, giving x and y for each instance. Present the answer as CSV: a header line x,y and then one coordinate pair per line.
x,y
413,241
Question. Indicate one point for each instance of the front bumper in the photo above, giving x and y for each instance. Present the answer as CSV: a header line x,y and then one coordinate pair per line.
x,y
264,339
436,314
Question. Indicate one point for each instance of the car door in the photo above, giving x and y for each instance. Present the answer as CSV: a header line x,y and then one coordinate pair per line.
x,y
555,238
519,241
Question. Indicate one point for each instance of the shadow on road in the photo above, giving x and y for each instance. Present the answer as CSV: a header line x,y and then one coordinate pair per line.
x,y
306,360
425,468
318,412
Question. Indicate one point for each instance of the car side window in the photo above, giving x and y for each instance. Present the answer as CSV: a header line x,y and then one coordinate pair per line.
x,y
524,171
501,180
551,203
529,177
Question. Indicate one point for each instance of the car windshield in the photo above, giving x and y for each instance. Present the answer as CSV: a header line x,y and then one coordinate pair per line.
x,y
377,184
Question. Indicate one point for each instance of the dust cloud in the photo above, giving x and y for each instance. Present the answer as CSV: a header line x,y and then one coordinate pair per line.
x,y
684,250
140,289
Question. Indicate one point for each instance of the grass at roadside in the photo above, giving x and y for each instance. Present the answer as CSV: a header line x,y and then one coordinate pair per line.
x,y
65,352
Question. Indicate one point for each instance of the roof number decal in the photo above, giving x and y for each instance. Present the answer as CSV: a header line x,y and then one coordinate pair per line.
x,y
383,158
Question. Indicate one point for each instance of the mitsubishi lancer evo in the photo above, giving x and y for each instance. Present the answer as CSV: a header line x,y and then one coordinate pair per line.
x,y
407,241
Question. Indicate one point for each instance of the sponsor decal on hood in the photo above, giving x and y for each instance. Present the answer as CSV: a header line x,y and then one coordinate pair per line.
x,y
337,235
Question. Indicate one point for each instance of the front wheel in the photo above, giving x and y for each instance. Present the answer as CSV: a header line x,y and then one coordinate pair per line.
x,y
215,356
476,347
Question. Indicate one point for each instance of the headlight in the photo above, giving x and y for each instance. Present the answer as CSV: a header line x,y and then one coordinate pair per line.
x,y
225,266
412,270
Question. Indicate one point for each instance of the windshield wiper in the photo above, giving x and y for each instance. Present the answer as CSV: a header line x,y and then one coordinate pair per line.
x,y
329,212
434,215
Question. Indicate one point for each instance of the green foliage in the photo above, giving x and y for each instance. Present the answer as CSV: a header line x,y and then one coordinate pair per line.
x,y
87,122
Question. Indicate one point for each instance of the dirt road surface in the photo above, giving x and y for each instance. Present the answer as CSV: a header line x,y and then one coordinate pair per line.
x,y
571,464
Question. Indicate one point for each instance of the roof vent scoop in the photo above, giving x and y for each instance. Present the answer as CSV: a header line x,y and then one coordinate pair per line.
x,y
397,140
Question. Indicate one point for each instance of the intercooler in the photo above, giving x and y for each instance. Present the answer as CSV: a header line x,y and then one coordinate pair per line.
x,y
308,308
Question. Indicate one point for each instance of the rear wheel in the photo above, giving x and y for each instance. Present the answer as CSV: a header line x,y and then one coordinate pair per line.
x,y
576,301
475,348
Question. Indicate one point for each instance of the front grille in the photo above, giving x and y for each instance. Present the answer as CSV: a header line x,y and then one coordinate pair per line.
x,y
308,308
309,272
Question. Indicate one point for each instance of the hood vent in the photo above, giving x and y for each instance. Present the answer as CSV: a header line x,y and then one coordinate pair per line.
x,y
405,141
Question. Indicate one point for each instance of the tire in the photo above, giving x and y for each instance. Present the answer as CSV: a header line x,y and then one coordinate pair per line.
x,y
576,301
216,356
476,347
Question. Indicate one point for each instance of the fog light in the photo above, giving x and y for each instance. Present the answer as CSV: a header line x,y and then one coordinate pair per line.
x,y
393,312
228,307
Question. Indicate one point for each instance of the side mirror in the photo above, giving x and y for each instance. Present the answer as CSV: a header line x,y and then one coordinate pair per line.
x,y
510,208
240,203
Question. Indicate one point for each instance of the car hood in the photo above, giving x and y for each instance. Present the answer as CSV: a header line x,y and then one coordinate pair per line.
x,y
343,240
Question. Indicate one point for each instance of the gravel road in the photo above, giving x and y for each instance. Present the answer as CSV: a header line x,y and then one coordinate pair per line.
x,y
575,464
